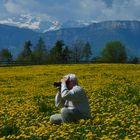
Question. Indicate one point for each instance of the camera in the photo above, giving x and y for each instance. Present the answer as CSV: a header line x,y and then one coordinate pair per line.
x,y
57,84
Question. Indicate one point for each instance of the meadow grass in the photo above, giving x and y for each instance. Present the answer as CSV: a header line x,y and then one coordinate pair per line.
x,y
27,101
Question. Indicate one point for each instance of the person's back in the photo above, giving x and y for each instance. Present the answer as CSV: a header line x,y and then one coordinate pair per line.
x,y
76,98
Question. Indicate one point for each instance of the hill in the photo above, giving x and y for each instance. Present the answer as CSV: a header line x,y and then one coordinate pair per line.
x,y
13,37
97,34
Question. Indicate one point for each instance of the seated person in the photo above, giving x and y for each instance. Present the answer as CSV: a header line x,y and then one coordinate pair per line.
x,y
72,100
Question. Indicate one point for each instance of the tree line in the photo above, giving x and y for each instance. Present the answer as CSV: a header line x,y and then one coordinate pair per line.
x,y
59,53
113,52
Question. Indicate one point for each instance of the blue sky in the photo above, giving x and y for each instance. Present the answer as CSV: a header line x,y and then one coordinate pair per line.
x,y
63,10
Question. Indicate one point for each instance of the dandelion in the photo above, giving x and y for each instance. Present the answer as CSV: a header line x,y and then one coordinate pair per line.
x,y
27,101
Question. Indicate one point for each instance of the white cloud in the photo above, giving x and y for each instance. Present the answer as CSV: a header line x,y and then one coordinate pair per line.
x,y
118,10
21,6
123,10
92,8
13,8
63,10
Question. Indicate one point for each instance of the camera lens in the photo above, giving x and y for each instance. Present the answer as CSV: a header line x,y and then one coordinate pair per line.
x,y
57,84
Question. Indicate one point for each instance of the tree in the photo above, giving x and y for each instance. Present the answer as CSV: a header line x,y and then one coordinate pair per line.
x,y
66,55
40,52
5,55
133,60
77,50
87,52
56,53
26,54
114,52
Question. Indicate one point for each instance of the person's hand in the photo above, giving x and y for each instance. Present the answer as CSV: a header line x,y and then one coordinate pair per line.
x,y
64,80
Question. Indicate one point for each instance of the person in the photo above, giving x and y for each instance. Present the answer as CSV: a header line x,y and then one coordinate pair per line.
x,y
72,100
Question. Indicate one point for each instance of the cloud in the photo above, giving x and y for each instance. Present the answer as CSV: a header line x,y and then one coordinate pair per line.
x,y
13,8
100,10
64,10
123,10
19,6
92,9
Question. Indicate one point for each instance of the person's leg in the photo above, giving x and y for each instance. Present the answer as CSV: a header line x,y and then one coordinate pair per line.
x,y
56,119
71,115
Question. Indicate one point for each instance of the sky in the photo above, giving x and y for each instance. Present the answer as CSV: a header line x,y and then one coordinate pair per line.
x,y
64,10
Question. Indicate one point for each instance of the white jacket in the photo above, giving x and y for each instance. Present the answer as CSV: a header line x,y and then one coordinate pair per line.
x,y
74,98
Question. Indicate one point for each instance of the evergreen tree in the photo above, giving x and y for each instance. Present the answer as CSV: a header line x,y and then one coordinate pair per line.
x,y
26,54
114,52
6,56
40,52
56,53
87,52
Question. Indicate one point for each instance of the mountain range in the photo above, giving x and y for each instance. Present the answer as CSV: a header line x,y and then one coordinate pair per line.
x,y
97,34
41,23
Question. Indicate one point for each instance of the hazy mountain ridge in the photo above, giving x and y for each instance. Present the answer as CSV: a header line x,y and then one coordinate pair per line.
x,y
97,34
132,25
14,37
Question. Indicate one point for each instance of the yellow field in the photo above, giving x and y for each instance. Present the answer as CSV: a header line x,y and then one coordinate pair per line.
x,y
27,101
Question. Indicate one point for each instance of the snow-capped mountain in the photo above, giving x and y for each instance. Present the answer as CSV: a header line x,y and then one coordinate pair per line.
x,y
39,23
97,34
42,23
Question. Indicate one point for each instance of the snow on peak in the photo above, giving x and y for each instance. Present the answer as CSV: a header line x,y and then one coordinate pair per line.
x,y
40,23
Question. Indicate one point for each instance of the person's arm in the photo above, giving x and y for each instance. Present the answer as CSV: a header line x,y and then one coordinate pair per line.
x,y
59,102
72,94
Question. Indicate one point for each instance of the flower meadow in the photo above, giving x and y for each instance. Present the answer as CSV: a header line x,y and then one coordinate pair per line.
x,y
27,102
